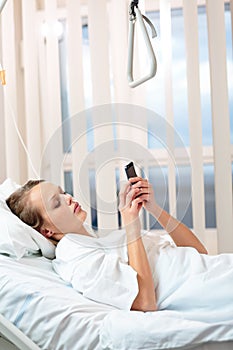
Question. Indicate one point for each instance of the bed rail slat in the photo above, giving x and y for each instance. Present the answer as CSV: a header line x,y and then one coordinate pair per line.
x,y
195,117
31,85
105,171
81,189
221,124
10,91
53,116
99,50
166,38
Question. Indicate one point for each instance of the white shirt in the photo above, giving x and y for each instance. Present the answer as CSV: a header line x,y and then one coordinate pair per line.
x,y
98,267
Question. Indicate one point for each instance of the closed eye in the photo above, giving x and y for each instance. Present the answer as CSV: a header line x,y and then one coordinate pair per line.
x,y
57,203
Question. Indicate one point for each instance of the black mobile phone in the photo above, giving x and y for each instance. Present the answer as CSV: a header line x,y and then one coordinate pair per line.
x,y
130,170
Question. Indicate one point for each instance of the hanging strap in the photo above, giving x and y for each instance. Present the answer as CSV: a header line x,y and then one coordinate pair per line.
x,y
134,16
2,4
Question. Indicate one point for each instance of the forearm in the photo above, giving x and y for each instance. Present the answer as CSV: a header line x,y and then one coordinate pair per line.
x,y
146,298
179,232
130,206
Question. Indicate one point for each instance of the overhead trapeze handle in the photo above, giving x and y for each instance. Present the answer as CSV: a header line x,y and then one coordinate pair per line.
x,y
135,15
2,4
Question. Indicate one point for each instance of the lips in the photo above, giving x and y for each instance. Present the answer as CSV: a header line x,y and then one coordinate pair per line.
x,y
76,207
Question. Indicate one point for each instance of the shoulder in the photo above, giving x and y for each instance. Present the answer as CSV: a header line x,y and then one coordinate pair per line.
x,y
73,245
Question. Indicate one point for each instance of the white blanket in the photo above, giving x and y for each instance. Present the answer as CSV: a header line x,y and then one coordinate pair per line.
x,y
199,286
133,330
195,284
195,296
57,317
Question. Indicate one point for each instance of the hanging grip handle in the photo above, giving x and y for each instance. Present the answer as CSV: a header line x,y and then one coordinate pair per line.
x,y
153,63
2,4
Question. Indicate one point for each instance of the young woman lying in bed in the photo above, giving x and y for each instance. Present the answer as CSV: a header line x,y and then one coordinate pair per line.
x,y
127,268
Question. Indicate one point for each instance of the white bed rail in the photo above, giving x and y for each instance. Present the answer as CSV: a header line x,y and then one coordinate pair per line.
x,y
15,336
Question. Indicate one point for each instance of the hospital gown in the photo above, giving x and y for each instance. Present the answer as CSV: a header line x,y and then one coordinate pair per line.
x,y
184,280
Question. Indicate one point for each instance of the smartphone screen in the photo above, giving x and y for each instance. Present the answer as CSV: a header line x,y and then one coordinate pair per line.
x,y
130,170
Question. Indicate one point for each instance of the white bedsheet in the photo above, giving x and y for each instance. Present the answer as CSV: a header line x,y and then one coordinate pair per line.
x,y
57,317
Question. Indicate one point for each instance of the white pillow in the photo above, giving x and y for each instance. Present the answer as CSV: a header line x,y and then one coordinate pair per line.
x,y
16,238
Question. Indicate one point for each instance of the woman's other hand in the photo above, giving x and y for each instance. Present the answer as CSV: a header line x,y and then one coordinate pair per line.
x,y
146,192
130,205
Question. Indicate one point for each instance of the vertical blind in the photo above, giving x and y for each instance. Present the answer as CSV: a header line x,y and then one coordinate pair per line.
x,y
32,101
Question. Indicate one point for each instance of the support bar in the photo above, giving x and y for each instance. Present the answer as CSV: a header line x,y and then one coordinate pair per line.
x,y
2,4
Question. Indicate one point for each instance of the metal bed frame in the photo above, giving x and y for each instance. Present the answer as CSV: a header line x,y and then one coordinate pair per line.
x,y
11,338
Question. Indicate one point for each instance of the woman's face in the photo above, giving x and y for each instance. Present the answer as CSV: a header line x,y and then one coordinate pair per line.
x,y
61,212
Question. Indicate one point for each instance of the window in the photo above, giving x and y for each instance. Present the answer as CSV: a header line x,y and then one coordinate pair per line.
x,y
155,101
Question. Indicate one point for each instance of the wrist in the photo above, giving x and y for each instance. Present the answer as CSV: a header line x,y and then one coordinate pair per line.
x,y
132,228
129,218
155,210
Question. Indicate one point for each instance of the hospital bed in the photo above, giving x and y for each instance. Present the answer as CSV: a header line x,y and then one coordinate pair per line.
x,y
41,311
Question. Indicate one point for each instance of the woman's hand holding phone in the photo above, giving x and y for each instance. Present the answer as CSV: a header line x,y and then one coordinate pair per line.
x,y
130,205
131,201
146,192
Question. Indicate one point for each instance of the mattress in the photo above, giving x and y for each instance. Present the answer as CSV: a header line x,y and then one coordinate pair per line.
x,y
215,346
51,313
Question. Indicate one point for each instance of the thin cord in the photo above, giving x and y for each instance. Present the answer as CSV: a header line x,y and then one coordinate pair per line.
x,y
20,137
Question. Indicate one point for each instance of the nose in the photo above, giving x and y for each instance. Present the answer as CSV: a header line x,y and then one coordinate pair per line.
x,y
68,199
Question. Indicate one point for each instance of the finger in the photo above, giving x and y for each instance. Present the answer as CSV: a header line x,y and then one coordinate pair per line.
x,y
144,197
141,183
127,197
123,193
131,195
124,187
137,204
143,190
135,179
